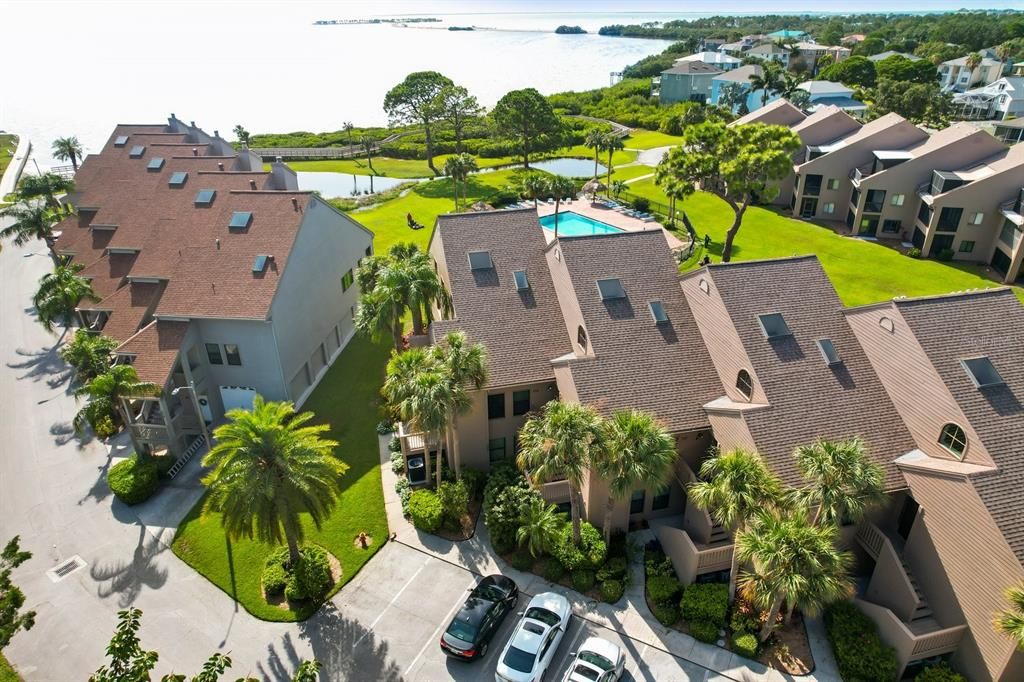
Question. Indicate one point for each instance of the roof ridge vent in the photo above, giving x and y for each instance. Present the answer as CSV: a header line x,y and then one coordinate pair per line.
x,y
252,184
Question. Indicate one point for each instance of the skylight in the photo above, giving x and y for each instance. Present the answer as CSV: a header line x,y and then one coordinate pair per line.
x,y
658,312
480,260
240,220
260,264
520,279
155,164
610,289
137,151
828,351
120,140
774,326
982,372
178,179
204,197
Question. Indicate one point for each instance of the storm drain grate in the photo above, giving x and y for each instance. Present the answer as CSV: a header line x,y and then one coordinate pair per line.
x,y
66,568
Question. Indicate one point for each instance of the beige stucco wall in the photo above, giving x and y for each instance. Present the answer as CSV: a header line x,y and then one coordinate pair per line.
x,y
475,430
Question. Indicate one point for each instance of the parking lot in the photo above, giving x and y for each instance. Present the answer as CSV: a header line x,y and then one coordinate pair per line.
x,y
405,603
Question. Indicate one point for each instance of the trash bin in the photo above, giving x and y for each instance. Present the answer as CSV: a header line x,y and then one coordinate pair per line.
x,y
417,469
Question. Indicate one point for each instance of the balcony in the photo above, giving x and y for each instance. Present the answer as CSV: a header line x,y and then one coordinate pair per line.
x,y
858,174
411,441
1012,211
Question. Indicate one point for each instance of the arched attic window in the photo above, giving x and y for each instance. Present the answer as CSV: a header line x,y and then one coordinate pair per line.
x,y
953,438
745,384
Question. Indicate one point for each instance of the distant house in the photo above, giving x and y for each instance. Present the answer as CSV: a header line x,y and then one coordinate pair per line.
x,y
830,93
787,34
812,52
893,53
741,46
719,60
954,74
711,44
755,98
770,51
853,39
685,82
1010,132
1000,100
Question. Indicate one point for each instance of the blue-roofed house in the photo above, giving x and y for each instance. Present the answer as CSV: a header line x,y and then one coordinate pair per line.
x,y
824,93
741,76
787,34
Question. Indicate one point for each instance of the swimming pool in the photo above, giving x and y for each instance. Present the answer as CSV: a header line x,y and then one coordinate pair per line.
x,y
575,225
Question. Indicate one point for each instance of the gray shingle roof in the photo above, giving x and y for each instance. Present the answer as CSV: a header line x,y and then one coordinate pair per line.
x,y
664,369
740,75
694,67
523,331
951,328
808,399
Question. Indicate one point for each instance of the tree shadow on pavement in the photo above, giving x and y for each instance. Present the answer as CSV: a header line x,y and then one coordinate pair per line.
x,y
44,363
347,649
127,578
99,490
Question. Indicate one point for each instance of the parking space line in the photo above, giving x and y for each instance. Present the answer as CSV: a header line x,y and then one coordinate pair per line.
x,y
391,603
444,622
572,645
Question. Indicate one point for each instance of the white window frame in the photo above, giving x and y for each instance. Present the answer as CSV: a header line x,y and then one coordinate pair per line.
x,y
978,218
898,199
828,208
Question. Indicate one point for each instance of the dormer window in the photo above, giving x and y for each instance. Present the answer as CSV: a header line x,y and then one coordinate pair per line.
x,y
519,277
745,384
828,351
178,179
610,289
120,140
982,372
658,312
137,151
480,260
240,220
953,439
155,164
204,197
773,326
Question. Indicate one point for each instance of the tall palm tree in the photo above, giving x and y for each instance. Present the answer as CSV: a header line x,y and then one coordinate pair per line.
x,y
107,396
466,364
618,187
380,312
638,453
792,561
369,145
841,480
269,469
560,187
32,220
68,149
972,62
453,168
1003,54
769,81
532,185
612,143
672,187
594,139
47,185
60,292
89,354
541,526
735,486
1010,622
563,440
348,127
469,166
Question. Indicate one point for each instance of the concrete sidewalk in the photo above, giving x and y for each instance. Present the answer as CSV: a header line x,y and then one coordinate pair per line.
x,y
10,179
630,616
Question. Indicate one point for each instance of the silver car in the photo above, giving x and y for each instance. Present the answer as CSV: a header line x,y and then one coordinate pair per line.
x,y
598,660
533,643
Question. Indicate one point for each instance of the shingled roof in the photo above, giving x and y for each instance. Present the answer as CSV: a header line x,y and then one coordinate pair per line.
x,y
808,399
522,330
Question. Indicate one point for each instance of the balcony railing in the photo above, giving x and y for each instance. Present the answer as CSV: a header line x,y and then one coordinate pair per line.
x,y
890,585
410,441
688,559
911,646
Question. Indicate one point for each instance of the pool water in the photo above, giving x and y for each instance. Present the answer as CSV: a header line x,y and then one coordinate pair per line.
x,y
575,225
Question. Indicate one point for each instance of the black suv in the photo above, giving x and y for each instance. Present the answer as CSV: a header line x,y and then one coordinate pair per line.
x,y
471,629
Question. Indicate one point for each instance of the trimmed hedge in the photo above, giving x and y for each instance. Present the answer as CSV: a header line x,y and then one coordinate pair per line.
x,y
134,480
860,653
705,603
553,570
939,673
404,490
667,614
425,510
275,578
612,590
591,552
663,589
705,632
582,580
613,569
397,463
310,578
745,644
454,498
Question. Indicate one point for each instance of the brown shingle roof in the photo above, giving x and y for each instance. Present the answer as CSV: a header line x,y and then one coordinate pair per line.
x,y
808,399
988,323
523,331
661,368
128,308
155,348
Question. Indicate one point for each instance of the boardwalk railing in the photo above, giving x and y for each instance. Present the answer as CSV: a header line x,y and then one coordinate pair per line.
x,y
310,153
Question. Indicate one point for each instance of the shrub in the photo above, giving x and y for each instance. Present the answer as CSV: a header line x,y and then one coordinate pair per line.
x,y
745,644
404,491
384,427
744,620
395,445
939,673
590,553
502,516
663,589
657,564
705,632
612,590
425,510
522,561
667,614
553,570
503,545
398,462
613,569
945,254
641,204
617,546
706,603
503,475
454,498
312,572
104,427
275,578
292,592
914,252
582,579
860,653
473,480
503,198
134,480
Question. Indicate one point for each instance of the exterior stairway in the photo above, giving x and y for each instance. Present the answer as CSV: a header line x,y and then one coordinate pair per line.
x,y
921,621
718,535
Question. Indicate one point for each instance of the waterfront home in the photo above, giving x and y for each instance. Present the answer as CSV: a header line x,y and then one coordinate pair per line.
x,y
741,76
788,34
687,81
830,93
719,60
770,52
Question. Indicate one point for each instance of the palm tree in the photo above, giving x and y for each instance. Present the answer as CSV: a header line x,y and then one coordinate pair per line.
x,y
380,312
1003,54
68,149
972,62
562,441
612,143
269,469
735,486
533,185
731,95
454,169
107,396
594,139
672,187
469,166
466,364
842,481
618,187
369,145
793,561
403,279
47,185
770,81
638,453
32,220
241,134
1010,622
89,354
559,187
348,127
59,294
541,526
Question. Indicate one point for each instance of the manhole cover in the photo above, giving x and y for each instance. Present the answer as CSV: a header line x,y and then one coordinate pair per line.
x,y
65,568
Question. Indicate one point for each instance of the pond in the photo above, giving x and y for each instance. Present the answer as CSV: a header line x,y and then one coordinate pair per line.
x,y
572,168
332,185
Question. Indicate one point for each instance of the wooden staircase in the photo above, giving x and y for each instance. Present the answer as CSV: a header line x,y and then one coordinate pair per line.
x,y
921,620
719,535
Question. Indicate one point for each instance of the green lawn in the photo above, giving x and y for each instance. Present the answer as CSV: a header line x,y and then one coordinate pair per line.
x,y
7,671
649,139
861,271
8,145
347,399
630,172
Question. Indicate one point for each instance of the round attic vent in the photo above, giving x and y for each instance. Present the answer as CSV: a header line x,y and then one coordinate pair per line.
x,y
704,286
887,324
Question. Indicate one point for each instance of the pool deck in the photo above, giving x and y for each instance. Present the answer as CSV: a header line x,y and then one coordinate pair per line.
x,y
599,212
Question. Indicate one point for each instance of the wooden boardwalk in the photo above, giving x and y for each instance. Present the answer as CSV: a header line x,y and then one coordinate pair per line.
x,y
314,153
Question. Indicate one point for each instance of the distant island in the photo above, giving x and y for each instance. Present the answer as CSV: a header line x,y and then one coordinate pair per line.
x,y
409,20
569,30
460,28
